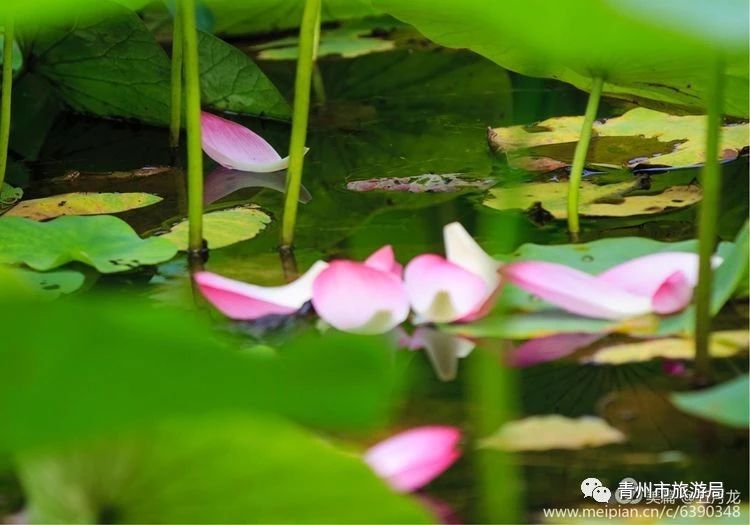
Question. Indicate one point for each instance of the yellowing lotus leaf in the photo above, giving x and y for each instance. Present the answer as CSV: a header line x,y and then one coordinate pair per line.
x,y
640,136
723,344
81,204
553,432
222,228
612,200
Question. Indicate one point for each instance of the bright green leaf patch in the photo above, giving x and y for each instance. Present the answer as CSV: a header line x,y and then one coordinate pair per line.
x,y
231,81
45,285
104,242
9,196
222,228
611,200
665,140
83,203
241,469
726,403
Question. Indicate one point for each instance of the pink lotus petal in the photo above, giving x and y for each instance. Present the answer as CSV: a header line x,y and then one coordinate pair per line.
x,y
674,294
234,146
673,367
549,348
243,301
575,291
462,250
441,291
410,460
355,297
644,275
385,261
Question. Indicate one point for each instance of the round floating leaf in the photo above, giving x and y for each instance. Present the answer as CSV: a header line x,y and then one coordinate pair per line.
x,y
222,228
104,242
241,469
723,344
553,432
83,203
640,136
45,285
726,403
612,200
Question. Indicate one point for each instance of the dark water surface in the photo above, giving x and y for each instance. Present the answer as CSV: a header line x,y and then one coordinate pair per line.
x,y
408,113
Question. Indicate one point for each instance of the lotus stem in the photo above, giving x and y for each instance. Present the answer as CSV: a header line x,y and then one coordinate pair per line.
x,y
300,114
579,157
176,83
707,222
7,87
193,122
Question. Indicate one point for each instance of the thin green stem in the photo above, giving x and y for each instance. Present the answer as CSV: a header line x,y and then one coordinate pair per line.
x,y
193,122
177,48
707,223
579,158
310,19
7,86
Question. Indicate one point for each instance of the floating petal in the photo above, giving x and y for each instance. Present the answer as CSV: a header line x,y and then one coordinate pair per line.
x,y
243,301
462,250
384,260
410,460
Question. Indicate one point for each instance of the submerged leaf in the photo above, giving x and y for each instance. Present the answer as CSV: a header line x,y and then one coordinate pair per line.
x,y
640,136
553,432
428,183
726,403
222,228
612,200
83,203
723,344
104,242
190,471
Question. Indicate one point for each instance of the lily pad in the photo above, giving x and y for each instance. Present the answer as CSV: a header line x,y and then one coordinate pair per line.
x,y
553,432
83,203
222,228
45,285
723,344
104,242
611,200
190,471
640,136
726,403
9,196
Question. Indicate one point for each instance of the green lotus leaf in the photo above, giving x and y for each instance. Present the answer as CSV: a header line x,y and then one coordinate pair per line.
x,y
726,403
222,228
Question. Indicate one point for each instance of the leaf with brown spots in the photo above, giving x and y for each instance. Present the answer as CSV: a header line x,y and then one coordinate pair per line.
x,y
81,204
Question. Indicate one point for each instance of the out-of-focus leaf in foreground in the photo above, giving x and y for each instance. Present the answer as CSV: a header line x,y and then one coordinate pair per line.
x,y
211,470
84,367
726,403
104,242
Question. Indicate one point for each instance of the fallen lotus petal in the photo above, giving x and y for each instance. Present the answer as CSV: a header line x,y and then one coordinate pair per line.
x,y
246,302
723,344
410,460
661,283
366,298
234,146
428,183
549,348
553,432
455,288
224,181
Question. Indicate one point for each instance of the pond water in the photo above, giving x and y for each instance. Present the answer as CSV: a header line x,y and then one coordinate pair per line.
x,y
409,113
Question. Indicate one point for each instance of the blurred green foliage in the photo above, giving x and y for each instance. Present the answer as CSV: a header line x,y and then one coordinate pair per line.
x,y
725,403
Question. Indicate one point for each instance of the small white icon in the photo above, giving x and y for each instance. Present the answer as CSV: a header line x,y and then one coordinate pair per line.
x,y
601,494
588,485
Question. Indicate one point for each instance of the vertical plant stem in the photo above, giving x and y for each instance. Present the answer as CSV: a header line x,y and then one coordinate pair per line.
x,y
707,221
310,19
579,158
193,122
177,48
7,86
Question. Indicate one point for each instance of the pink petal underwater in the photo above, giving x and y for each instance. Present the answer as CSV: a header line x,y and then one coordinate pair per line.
x,y
234,146
357,297
575,291
385,261
644,275
243,301
441,291
674,294
549,348
410,460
